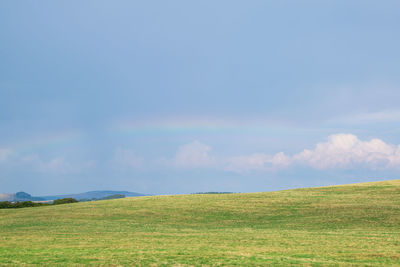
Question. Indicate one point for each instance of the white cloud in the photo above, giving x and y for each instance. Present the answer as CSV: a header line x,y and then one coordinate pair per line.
x,y
5,153
126,159
258,162
347,151
340,151
194,154
198,155
55,165
36,163
395,158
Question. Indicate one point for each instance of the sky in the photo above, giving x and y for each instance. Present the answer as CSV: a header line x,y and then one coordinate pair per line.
x,y
173,97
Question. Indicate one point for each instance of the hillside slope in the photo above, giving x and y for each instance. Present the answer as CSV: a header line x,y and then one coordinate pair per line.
x,y
340,225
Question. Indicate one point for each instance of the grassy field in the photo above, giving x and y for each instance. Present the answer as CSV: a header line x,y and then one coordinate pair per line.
x,y
340,225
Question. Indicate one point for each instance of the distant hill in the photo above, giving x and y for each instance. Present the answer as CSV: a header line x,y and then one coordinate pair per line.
x,y
93,194
22,196
19,196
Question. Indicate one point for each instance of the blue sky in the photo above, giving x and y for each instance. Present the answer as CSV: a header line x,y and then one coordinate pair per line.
x,y
169,97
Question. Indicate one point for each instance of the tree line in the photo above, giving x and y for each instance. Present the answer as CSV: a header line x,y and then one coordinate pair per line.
x,y
25,204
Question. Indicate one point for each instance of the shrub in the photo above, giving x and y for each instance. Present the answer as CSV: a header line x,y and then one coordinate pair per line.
x,y
24,204
21,204
5,205
64,201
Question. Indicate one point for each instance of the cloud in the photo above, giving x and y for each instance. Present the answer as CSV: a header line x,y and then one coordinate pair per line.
x,y
36,163
194,154
347,151
125,159
340,151
5,153
259,162
55,165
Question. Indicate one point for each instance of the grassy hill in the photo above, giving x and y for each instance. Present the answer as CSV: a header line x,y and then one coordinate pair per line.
x,y
339,225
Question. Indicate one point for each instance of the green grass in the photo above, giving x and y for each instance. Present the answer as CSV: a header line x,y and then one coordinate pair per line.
x,y
340,225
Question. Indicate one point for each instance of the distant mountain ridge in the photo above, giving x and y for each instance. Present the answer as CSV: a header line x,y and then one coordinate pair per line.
x,y
94,194
19,196
23,196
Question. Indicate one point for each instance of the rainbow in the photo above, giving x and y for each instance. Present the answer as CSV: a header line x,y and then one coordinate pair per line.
x,y
196,126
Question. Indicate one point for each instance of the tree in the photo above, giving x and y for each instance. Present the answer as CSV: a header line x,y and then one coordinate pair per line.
x,y
64,201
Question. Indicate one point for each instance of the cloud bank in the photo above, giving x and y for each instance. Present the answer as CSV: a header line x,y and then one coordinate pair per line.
x,y
5,153
35,163
340,151
194,154
258,162
125,159
347,151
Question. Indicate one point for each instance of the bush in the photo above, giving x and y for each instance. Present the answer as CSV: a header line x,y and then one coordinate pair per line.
x,y
64,201
5,205
22,204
